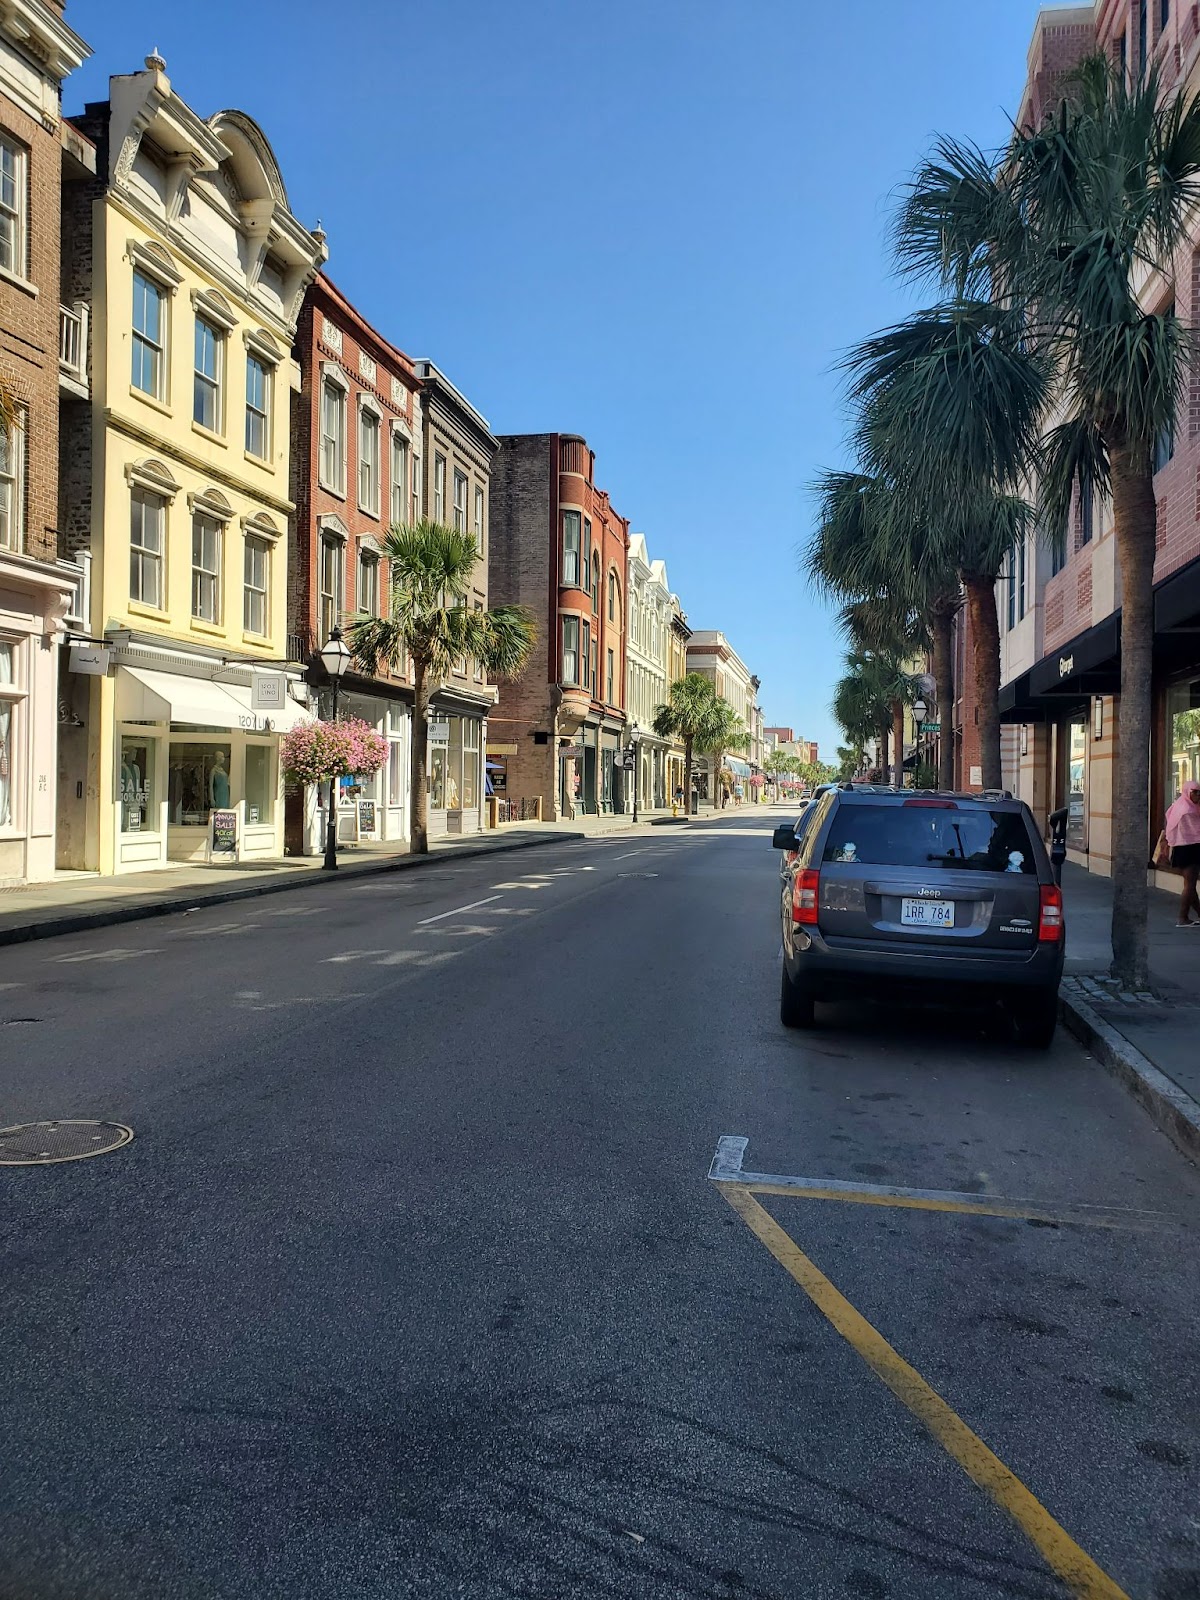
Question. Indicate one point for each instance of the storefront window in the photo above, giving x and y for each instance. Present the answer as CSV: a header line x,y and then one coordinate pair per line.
x,y
197,782
470,775
454,766
137,783
1183,736
437,777
260,791
1076,782
8,706
395,772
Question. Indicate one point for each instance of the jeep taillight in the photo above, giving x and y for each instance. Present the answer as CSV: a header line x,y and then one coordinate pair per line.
x,y
1050,919
805,891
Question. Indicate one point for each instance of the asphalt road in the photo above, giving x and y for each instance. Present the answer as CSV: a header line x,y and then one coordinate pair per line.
x,y
414,1283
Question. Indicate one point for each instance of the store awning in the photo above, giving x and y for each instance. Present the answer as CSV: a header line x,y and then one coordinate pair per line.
x,y
144,695
1089,664
740,769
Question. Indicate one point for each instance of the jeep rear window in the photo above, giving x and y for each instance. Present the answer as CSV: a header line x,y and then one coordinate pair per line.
x,y
911,836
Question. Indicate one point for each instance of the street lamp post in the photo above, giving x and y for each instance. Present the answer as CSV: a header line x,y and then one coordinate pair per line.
x,y
335,658
919,709
635,734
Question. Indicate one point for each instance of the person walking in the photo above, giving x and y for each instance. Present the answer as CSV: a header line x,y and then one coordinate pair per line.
x,y
1183,836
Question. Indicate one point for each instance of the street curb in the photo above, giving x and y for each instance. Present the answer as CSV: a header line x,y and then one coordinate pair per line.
x,y
82,921
1172,1108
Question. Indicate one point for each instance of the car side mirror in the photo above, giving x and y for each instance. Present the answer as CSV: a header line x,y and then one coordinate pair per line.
x,y
784,837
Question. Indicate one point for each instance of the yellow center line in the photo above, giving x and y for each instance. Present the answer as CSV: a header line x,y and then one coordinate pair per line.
x,y
969,1208
1074,1566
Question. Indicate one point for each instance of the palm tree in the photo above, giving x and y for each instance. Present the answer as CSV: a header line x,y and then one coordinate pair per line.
x,y
890,632
432,567
864,698
951,403
1063,230
687,715
870,542
724,734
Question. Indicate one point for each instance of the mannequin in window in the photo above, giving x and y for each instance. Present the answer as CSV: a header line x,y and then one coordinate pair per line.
x,y
218,783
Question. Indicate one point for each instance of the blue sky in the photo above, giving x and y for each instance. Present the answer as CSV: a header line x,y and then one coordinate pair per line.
x,y
652,222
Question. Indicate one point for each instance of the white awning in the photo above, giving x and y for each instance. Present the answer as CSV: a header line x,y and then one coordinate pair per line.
x,y
144,695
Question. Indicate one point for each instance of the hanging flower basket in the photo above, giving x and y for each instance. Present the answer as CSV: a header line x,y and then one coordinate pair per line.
x,y
311,752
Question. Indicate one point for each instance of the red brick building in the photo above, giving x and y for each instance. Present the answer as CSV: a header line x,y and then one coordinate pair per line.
x,y
356,446
42,348
558,547
1060,614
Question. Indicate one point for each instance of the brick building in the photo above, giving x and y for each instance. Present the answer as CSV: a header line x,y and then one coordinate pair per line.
x,y
356,468
1060,614
559,547
39,348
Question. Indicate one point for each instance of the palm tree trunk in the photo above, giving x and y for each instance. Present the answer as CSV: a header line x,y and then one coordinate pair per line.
x,y
419,841
885,733
943,677
985,635
1134,526
898,743
688,754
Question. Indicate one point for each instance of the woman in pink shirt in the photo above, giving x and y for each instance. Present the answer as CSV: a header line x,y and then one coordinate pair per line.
x,y
1183,836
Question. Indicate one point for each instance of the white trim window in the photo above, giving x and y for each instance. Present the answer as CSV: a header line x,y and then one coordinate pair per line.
x,y
368,460
439,488
571,537
333,437
258,407
417,487
149,335
256,587
479,518
368,581
13,220
331,583
460,501
147,546
206,385
399,476
478,668
570,650
11,697
12,486
207,534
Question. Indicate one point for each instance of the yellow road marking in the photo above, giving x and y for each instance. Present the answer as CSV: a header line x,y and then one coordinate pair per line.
x,y
979,1208
1074,1566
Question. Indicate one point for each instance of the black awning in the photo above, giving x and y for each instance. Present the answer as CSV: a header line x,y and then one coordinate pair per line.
x,y
1016,701
1177,599
1089,664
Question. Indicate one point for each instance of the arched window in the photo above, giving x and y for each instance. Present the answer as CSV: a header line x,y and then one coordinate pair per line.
x,y
614,598
596,584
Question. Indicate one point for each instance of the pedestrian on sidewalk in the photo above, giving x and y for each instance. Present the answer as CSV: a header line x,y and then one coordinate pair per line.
x,y
1183,836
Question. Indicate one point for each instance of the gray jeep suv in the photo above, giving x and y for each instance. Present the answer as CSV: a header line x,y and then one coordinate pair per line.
x,y
952,894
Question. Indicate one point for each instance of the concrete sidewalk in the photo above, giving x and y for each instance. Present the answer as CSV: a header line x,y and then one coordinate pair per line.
x,y
77,901
1150,1041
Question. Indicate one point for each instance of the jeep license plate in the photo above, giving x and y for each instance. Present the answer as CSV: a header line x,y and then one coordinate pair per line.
x,y
927,913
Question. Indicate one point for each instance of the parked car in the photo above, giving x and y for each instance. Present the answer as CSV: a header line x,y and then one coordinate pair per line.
x,y
951,895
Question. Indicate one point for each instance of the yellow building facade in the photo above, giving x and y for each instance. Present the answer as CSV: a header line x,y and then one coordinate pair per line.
x,y
194,270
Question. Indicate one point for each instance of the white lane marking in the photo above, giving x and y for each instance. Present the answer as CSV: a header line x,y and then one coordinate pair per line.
x,y
217,927
12,985
458,910
107,955
399,958
630,855
463,930
356,955
294,911
514,885
511,911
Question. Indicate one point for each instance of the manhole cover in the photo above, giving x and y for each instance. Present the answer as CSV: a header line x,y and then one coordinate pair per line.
x,y
38,1144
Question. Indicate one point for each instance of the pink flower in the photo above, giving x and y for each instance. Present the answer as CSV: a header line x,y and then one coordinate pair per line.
x,y
314,751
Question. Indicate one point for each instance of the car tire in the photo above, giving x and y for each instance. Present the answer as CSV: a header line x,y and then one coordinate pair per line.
x,y
797,1009
1037,1019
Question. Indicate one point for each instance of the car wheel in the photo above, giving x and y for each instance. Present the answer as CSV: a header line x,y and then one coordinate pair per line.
x,y
796,1005
1036,1020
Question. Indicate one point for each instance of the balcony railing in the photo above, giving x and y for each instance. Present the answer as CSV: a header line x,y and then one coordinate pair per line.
x,y
72,345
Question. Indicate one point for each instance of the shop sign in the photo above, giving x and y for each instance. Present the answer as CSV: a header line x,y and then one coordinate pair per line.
x,y
439,732
366,816
268,691
503,750
977,777
91,661
931,727
224,840
1066,666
